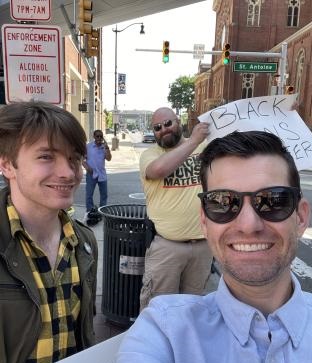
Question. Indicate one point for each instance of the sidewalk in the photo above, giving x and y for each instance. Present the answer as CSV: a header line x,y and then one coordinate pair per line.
x,y
124,158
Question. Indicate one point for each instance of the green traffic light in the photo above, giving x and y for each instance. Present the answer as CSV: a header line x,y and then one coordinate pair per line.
x,y
226,61
165,58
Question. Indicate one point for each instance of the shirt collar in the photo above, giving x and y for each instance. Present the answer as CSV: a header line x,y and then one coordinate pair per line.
x,y
17,227
97,146
238,316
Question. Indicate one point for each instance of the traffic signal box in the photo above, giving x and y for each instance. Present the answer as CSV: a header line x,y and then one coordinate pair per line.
x,y
85,16
96,93
226,54
92,44
289,90
165,51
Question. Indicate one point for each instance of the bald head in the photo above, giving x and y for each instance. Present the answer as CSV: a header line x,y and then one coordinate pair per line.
x,y
163,113
167,127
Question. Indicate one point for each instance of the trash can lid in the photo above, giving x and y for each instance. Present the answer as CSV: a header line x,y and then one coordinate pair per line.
x,y
125,211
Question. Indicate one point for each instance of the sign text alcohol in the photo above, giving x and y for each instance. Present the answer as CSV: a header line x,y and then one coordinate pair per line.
x,y
32,63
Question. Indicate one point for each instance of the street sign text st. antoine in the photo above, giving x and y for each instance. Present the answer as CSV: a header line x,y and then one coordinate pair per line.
x,y
255,67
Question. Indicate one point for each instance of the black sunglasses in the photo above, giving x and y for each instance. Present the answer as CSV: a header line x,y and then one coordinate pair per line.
x,y
274,204
167,123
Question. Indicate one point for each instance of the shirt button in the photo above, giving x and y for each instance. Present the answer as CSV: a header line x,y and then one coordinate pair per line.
x,y
15,264
258,317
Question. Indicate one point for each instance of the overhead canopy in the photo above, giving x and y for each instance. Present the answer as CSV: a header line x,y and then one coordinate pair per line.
x,y
105,12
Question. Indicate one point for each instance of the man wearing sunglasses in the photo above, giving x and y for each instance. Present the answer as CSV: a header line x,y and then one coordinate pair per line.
x,y
178,260
252,215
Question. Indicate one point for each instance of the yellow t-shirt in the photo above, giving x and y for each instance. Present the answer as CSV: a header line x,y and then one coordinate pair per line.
x,y
172,202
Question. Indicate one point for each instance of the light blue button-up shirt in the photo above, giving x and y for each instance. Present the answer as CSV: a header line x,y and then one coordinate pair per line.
x,y
218,328
96,160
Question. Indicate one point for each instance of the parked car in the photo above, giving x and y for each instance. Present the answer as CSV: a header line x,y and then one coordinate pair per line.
x,y
148,137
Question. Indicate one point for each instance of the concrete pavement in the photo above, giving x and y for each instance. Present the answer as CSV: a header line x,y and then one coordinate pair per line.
x,y
125,158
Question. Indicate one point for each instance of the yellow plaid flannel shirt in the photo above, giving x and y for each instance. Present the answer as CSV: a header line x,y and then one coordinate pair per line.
x,y
59,289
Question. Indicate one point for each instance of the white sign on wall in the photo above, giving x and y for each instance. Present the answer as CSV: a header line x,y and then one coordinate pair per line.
x,y
32,63
29,10
272,114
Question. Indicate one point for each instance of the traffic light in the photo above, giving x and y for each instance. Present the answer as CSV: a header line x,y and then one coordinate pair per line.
x,y
165,51
92,46
85,16
96,94
289,90
226,54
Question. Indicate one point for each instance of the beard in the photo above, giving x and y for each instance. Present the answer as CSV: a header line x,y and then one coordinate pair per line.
x,y
171,139
261,274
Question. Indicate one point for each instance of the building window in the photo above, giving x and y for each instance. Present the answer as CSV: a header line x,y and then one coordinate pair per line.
x,y
299,70
253,15
248,85
293,13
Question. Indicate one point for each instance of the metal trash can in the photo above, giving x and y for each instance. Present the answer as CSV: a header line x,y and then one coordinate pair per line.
x,y
123,261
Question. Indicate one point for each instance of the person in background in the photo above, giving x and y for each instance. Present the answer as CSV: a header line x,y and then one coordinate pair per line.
x,y
48,262
259,312
97,152
178,259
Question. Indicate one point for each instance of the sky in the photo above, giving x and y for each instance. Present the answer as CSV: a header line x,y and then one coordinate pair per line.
x,y
147,77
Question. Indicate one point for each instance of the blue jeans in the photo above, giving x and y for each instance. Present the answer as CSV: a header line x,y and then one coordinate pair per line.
x,y
90,186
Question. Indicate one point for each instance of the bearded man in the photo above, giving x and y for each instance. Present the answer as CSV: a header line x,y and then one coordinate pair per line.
x,y
178,259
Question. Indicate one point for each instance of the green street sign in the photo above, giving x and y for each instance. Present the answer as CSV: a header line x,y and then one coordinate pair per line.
x,y
255,67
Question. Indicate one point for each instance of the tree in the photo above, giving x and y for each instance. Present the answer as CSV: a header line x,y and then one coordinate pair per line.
x,y
109,118
181,94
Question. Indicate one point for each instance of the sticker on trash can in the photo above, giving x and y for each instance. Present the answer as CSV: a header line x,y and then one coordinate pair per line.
x,y
131,265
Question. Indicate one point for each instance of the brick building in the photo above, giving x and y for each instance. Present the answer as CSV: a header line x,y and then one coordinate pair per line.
x,y
258,26
76,86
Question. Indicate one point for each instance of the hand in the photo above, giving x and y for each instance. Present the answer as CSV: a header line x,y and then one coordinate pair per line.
x,y
200,132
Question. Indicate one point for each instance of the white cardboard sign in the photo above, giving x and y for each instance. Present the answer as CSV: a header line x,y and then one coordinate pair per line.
x,y
272,114
30,10
32,63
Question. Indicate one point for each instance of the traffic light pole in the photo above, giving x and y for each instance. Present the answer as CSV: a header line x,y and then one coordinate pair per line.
x,y
282,56
90,69
115,141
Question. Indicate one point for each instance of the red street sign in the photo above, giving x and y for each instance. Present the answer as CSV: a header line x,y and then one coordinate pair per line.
x,y
29,10
32,63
